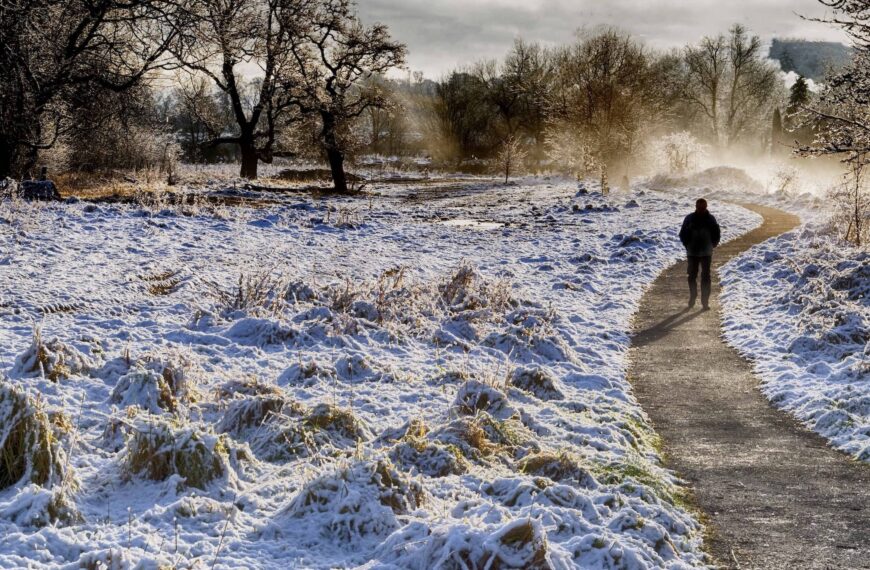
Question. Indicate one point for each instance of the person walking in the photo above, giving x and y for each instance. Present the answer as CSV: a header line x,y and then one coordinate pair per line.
x,y
700,235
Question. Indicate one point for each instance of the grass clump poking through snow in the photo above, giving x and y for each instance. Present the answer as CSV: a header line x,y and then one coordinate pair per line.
x,y
279,429
334,419
361,500
159,449
254,411
536,381
162,283
484,439
475,396
157,384
557,467
254,294
466,290
519,543
629,474
408,308
415,451
30,454
53,360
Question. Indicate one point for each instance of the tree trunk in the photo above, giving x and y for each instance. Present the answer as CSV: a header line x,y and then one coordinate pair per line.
x,y
249,161
30,159
6,151
334,153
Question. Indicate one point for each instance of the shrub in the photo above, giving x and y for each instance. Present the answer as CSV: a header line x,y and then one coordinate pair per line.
x,y
466,290
254,294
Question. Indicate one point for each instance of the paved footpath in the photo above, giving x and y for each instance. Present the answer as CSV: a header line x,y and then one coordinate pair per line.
x,y
775,496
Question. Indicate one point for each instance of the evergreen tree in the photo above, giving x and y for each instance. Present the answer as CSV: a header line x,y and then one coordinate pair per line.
x,y
800,95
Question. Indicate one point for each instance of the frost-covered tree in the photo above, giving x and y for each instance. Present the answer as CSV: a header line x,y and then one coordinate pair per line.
x,y
52,52
841,113
528,71
777,136
199,116
511,156
335,61
681,152
840,117
854,17
852,201
388,124
570,151
463,121
799,94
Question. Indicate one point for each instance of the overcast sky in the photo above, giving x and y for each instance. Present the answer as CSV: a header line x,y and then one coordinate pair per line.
x,y
442,34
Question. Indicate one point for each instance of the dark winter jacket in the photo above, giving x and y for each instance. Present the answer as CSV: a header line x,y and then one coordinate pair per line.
x,y
700,234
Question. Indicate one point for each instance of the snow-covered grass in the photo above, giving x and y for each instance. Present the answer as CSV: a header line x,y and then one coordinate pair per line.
x,y
341,382
799,307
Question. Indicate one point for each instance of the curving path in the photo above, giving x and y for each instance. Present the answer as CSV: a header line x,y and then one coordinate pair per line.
x,y
774,495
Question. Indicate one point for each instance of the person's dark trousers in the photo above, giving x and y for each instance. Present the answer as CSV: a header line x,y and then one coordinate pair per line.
x,y
703,264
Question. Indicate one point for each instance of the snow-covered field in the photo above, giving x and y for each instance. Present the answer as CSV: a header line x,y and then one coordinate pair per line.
x,y
336,382
799,307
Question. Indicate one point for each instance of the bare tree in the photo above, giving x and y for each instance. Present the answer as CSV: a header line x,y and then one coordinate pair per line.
x,y
198,115
53,47
337,57
680,151
706,66
247,49
841,113
752,84
852,202
463,120
730,83
388,123
607,92
528,71
503,94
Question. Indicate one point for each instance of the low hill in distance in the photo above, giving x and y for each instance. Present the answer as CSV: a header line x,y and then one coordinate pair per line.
x,y
810,59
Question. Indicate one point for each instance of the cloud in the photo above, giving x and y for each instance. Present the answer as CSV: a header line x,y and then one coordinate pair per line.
x,y
442,34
